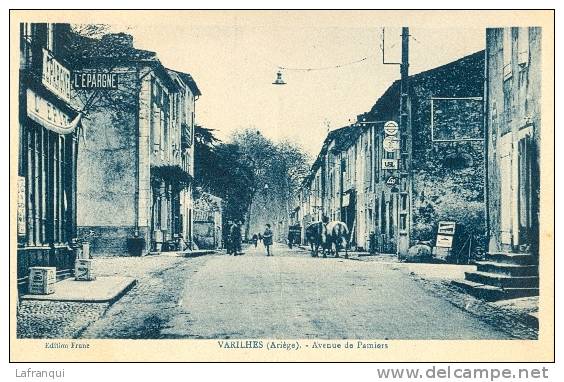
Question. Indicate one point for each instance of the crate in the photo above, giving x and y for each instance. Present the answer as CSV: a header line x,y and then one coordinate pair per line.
x,y
42,280
83,270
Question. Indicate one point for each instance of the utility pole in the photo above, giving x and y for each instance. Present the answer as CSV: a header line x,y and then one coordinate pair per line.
x,y
403,201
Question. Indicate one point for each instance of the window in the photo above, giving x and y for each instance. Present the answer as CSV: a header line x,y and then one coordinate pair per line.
x,y
403,201
507,47
49,41
523,46
403,222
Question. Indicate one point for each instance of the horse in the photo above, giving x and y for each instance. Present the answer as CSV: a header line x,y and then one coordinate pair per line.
x,y
338,234
316,234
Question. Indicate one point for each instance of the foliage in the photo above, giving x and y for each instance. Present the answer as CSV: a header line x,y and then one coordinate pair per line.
x,y
255,176
92,46
220,170
172,174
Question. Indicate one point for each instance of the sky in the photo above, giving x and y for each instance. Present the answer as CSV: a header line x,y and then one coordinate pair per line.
x,y
234,65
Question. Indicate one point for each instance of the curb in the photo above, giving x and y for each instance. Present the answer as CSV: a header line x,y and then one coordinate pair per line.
x,y
110,300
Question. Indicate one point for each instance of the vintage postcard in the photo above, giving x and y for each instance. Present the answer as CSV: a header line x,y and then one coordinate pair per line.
x,y
282,185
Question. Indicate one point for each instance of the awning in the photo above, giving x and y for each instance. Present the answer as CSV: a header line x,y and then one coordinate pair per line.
x,y
49,116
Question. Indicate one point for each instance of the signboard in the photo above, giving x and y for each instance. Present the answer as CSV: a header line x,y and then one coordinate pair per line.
x,y
41,280
446,228
445,234
83,270
444,241
56,77
48,115
392,181
21,206
94,80
390,144
346,200
391,127
389,164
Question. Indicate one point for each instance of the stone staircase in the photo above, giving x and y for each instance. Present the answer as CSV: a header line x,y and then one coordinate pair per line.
x,y
503,275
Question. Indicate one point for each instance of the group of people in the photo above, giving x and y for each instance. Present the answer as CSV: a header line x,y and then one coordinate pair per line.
x,y
233,238
265,237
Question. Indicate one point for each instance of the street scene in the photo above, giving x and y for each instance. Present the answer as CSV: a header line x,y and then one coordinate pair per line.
x,y
288,295
315,182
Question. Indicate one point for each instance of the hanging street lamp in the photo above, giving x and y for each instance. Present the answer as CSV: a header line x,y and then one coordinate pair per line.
x,y
279,80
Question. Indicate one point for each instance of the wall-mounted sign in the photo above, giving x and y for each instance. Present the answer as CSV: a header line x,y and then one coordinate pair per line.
x,y
48,115
21,206
56,77
391,144
392,181
94,79
391,127
389,164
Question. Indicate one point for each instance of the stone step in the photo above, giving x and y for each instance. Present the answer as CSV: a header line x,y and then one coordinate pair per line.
x,y
502,281
491,293
508,269
512,258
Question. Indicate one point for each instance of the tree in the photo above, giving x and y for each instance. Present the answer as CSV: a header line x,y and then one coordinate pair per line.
x,y
279,169
220,169
257,178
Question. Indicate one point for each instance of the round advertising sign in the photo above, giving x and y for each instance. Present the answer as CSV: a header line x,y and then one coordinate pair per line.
x,y
390,144
392,181
391,127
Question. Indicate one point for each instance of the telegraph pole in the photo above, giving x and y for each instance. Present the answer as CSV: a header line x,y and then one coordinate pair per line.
x,y
404,200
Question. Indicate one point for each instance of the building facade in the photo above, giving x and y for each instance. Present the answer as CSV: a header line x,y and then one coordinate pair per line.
x,y
135,184
47,158
513,123
513,92
443,155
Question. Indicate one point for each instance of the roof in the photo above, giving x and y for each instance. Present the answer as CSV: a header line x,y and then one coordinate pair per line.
x,y
116,49
344,137
388,100
189,81
347,135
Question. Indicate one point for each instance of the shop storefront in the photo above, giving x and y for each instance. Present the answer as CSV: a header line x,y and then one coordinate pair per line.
x,y
48,139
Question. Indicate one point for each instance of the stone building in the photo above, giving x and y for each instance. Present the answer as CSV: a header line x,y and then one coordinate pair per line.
x,y
513,123
445,177
135,181
47,152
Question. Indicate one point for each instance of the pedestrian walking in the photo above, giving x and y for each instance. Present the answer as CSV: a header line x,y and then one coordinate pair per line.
x,y
255,239
267,239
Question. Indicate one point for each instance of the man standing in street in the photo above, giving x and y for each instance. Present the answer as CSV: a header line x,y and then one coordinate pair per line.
x,y
267,239
236,238
228,237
